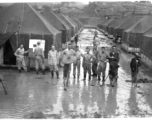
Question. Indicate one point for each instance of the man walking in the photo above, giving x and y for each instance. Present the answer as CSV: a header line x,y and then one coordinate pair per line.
x,y
53,61
20,58
39,58
76,65
87,60
67,66
102,58
134,65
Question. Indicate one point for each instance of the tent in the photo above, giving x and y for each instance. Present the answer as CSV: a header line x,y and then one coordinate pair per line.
x,y
114,24
101,24
57,23
62,17
136,31
147,44
72,23
77,22
20,23
105,25
129,21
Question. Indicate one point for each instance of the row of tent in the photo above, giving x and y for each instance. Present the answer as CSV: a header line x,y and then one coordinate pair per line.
x,y
20,22
135,31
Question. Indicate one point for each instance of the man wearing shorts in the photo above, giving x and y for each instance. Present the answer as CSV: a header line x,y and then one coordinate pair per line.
x,y
87,60
67,67
102,64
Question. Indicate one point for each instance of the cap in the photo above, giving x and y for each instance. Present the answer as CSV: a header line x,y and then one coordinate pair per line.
x,y
137,55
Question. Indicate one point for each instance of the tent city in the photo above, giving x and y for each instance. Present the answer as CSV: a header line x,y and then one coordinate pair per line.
x,y
75,60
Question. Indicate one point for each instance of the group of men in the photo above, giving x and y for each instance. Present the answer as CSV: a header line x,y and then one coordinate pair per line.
x,y
97,62
53,59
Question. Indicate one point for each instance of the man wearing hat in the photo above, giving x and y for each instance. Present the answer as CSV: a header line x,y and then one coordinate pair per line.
x,y
134,65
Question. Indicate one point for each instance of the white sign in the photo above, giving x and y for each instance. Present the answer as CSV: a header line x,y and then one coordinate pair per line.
x,y
33,43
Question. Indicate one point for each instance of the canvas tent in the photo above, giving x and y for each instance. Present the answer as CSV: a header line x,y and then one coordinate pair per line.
x,y
75,25
72,24
105,25
134,34
61,16
147,44
101,24
128,22
114,24
77,22
57,23
20,23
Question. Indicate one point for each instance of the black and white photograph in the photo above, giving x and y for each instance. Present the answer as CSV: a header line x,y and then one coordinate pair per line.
x,y
75,59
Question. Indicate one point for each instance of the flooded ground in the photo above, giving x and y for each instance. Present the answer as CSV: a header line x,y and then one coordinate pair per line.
x,y
38,96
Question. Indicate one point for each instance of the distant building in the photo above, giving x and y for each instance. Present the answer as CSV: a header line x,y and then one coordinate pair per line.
x,y
147,2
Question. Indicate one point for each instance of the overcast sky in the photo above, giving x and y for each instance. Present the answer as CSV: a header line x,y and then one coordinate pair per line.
x,y
83,1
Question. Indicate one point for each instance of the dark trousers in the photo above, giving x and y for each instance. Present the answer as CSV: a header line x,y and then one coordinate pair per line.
x,y
94,68
87,69
66,70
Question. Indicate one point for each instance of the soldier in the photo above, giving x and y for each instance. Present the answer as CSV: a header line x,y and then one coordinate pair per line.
x,y
102,59
87,59
39,58
95,62
77,63
115,54
76,38
53,60
95,34
134,65
113,61
67,66
20,58
113,71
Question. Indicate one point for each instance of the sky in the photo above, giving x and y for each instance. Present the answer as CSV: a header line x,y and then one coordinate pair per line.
x,y
83,1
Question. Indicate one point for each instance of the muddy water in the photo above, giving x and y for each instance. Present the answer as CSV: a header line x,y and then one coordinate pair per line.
x,y
38,96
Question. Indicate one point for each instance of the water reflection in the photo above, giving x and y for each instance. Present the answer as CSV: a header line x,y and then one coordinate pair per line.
x,y
133,104
111,103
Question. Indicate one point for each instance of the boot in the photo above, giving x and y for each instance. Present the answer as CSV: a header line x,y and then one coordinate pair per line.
x,y
57,74
84,77
19,70
89,77
43,72
52,74
37,72
103,80
99,78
